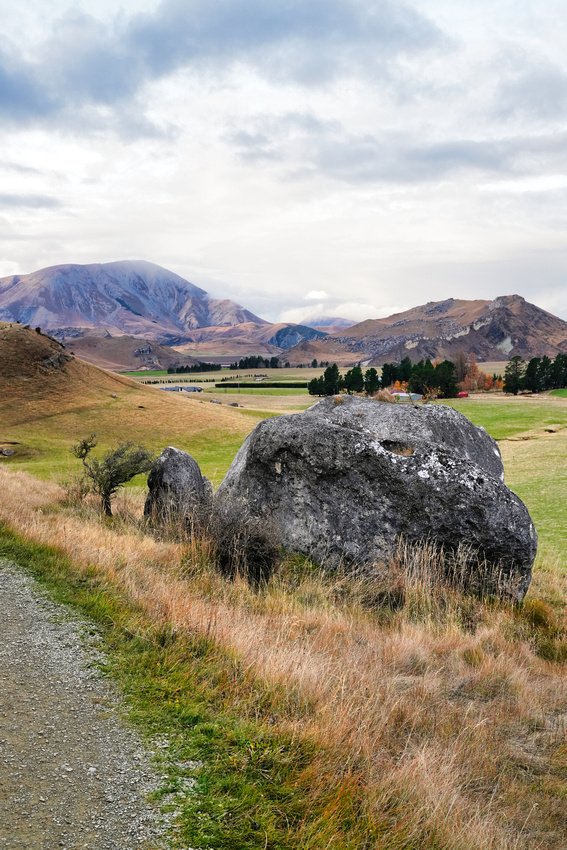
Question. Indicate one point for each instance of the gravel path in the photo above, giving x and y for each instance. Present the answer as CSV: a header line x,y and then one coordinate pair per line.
x,y
71,774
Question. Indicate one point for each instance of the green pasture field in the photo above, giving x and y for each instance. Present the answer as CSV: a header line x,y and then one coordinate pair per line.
x,y
535,459
559,393
535,462
505,417
266,391
291,374
144,374
48,455
536,470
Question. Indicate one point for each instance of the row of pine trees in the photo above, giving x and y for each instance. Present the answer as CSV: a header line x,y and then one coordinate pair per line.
x,y
446,378
425,378
536,375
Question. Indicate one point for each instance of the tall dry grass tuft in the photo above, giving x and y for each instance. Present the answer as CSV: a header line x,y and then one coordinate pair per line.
x,y
437,706
385,395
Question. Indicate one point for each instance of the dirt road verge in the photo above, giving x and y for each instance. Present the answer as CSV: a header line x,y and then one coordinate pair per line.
x,y
72,775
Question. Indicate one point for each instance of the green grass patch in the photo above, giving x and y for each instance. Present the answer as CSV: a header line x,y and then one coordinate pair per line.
x,y
504,419
255,390
255,787
215,452
145,374
50,457
269,385
559,393
536,468
43,447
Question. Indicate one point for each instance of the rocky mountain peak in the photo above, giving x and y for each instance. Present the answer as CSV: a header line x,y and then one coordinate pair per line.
x,y
125,297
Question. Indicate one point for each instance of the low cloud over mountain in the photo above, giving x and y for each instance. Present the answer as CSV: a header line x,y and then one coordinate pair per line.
x,y
136,298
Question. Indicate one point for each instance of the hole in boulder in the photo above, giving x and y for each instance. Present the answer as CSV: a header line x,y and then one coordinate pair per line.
x,y
397,448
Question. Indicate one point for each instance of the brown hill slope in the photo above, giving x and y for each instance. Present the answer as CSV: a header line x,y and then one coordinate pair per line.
x,y
327,349
237,341
49,399
491,330
248,338
126,353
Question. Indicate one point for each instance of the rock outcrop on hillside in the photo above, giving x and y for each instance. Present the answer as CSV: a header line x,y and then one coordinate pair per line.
x,y
491,330
342,482
28,354
176,486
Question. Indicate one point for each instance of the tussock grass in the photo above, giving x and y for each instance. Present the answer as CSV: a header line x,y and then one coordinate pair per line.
x,y
405,714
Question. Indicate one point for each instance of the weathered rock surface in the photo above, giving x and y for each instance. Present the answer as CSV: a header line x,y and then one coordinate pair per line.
x,y
344,481
414,425
176,485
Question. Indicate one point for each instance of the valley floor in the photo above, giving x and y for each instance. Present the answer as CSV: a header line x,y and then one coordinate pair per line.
x,y
321,711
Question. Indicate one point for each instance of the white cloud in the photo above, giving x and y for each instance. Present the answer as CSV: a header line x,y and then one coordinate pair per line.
x,y
7,268
360,311
339,152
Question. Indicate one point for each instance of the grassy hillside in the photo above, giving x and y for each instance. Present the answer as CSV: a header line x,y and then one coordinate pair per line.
x,y
319,711
50,399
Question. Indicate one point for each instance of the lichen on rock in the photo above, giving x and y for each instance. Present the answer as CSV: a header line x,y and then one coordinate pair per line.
x,y
342,483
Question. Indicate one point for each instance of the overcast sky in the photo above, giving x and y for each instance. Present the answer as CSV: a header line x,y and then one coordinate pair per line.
x,y
303,157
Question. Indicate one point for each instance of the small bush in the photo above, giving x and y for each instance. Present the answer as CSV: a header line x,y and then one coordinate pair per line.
x,y
238,546
538,614
385,395
76,489
475,657
117,466
540,624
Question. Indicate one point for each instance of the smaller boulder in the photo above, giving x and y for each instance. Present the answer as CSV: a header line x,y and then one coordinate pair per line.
x,y
176,486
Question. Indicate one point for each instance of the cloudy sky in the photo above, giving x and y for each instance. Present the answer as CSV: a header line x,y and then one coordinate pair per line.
x,y
303,157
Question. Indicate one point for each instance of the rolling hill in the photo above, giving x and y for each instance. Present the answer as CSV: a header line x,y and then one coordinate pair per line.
x,y
126,353
51,399
248,338
330,324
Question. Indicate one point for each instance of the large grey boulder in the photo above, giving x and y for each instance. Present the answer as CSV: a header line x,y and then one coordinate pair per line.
x,y
342,481
414,425
176,486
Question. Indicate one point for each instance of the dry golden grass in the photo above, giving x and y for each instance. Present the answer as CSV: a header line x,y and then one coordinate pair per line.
x,y
32,391
45,409
440,710
263,403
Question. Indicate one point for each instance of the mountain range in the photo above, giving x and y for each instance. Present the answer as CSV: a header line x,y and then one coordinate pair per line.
x,y
103,310
491,330
136,298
